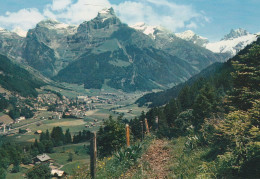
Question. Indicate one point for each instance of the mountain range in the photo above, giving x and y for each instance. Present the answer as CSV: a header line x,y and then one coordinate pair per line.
x,y
231,43
105,51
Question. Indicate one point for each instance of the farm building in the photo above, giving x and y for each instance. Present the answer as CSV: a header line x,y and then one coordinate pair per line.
x,y
38,132
58,173
42,158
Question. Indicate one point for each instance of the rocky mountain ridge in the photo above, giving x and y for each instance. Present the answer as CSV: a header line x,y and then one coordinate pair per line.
x,y
105,51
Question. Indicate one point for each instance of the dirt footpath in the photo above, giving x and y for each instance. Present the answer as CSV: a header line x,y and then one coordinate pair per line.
x,y
157,156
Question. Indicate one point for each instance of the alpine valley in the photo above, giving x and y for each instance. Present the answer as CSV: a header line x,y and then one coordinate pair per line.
x,y
104,99
105,51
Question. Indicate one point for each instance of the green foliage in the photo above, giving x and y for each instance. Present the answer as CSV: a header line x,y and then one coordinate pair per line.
x,y
246,78
82,136
2,173
70,157
41,171
3,103
187,163
171,111
128,157
231,131
238,152
183,121
204,105
23,111
17,79
218,75
67,137
111,137
16,168
57,136
26,112
14,113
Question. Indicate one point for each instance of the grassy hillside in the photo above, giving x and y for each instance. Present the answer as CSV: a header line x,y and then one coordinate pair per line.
x,y
16,79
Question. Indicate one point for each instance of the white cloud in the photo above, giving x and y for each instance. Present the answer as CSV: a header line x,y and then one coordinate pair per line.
x,y
153,12
60,4
75,13
24,18
192,25
163,12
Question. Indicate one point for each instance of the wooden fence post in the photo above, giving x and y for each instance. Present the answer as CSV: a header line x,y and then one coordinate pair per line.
x,y
146,125
93,156
142,129
157,122
127,135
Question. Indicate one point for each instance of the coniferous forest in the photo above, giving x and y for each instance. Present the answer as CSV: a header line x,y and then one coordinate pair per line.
x,y
222,111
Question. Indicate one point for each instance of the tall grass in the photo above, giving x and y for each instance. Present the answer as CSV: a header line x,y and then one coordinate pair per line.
x,y
118,164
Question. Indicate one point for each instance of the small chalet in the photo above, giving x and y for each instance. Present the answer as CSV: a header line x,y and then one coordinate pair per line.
x,y
22,118
58,173
42,158
38,132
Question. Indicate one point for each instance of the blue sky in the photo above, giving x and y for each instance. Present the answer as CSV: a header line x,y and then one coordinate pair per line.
x,y
209,18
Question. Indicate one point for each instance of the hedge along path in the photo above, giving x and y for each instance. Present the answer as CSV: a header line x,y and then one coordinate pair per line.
x,y
157,158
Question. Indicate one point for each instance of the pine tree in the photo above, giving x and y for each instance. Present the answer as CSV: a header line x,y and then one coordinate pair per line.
x,y
184,98
67,137
47,135
171,112
246,79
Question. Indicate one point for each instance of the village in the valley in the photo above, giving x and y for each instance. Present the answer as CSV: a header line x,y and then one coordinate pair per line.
x,y
52,108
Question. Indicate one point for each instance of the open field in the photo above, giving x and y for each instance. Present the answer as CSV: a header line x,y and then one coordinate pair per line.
x,y
68,123
79,154
19,175
119,103
60,156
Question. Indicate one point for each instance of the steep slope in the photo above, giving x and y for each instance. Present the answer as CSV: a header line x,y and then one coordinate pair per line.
x,y
16,79
127,60
46,47
163,97
183,46
11,44
218,73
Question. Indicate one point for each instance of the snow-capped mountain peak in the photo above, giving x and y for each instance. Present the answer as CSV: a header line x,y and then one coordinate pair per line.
x,y
191,36
187,35
107,11
106,14
233,42
149,30
20,32
146,29
235,34
53,24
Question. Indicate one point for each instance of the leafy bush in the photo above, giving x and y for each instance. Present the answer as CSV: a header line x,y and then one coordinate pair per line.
x,y
39,171
129,156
